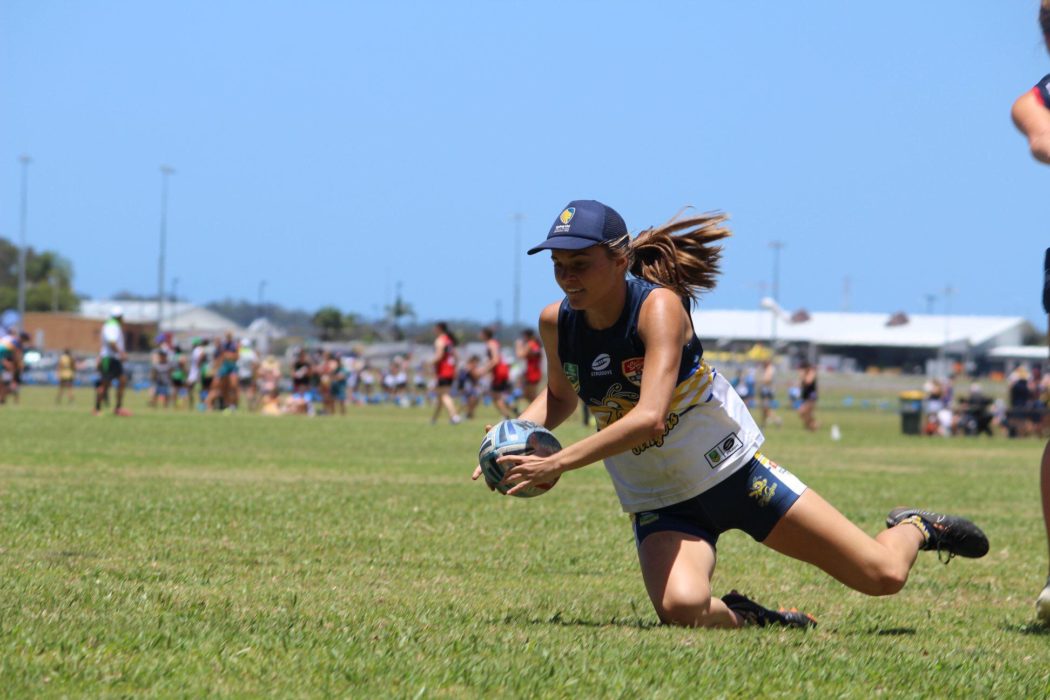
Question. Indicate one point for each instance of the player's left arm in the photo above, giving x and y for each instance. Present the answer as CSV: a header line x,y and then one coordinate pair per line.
x,y
1031,115
661,325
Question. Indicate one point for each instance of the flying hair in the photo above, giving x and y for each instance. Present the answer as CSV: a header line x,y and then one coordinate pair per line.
x,y
679,254
1044,17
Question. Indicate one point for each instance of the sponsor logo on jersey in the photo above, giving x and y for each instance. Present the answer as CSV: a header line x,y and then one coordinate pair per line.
x,y
572,372
632,370
602,363
725,447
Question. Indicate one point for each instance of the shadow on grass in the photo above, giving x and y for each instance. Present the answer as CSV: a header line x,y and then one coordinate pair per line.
x,y
895,632
1034,628
558,619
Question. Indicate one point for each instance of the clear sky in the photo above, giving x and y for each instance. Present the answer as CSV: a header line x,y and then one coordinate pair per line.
x,y
334,149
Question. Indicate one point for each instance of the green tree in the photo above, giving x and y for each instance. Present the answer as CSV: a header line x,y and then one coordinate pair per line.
x,y
49,280
329,321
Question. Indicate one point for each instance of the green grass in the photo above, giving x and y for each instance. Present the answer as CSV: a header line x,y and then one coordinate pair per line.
x,y
194,555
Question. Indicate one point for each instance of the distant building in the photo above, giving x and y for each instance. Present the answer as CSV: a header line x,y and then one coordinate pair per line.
x,y
181,319
862,340
56,331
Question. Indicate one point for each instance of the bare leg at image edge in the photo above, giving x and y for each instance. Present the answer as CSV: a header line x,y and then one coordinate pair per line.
x,y
1042,603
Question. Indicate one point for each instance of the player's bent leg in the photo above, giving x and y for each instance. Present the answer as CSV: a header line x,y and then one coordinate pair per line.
x,y
677,568
815,532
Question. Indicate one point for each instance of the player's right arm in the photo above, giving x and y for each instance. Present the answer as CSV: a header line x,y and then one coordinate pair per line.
x,y
552,407
1031,115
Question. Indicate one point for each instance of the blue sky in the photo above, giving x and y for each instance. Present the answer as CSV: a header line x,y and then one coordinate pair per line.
x,y
334,149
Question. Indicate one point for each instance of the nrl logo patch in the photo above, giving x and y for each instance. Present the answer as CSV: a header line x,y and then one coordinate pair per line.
x,y
572,372
725,447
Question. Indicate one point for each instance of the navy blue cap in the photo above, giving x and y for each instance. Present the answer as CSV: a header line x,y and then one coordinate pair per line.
x,y
581,224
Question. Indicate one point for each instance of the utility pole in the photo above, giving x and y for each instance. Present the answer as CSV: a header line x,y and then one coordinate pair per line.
x,y
25,160
518,218
165,172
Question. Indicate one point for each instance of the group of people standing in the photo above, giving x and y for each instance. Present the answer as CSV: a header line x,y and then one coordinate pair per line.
x,y
470,378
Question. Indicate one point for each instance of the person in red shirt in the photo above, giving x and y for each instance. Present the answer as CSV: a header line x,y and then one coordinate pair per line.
x,y
1031,115
500,370
445,369
529,350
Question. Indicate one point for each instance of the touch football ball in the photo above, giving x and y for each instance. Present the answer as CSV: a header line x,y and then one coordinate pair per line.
x,y
516,437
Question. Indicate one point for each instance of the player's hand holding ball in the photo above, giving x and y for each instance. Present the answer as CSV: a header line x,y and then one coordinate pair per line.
x,y
515,459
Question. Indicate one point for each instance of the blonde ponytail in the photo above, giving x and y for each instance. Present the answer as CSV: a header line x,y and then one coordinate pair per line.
x,y
679,255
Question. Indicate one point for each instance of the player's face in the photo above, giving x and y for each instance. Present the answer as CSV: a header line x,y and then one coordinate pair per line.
x,y
586,276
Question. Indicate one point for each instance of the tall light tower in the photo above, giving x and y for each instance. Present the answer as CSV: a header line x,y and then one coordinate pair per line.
x,y
518,218
25,161
777,246
165,171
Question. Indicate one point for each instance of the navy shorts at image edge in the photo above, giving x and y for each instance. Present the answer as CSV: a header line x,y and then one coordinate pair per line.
x,y
753,499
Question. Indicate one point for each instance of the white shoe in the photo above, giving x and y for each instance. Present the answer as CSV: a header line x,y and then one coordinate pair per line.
x,y
1042,604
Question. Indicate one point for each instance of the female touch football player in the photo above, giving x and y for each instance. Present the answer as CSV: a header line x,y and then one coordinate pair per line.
x,y
497,367
445,369
679,444
1031,114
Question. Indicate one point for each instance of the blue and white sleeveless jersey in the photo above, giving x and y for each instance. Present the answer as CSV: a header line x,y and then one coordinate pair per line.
x,y
709,433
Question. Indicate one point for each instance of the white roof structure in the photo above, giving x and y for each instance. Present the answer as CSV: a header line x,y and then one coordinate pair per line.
x,y
864,329
1036,353
179,317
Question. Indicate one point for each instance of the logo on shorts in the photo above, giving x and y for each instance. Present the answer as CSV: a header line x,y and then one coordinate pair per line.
x,y
632,370
762,490
725,447
600,366
572,373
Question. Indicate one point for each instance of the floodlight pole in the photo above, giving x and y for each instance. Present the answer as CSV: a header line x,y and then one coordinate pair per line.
x,y
165,171
518,218
174,301
25,160
777,246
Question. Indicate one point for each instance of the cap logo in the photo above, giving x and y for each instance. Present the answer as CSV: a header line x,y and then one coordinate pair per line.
x,y
566,216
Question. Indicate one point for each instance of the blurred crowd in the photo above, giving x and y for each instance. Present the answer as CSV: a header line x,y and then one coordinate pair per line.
x,y
228,374
1022,413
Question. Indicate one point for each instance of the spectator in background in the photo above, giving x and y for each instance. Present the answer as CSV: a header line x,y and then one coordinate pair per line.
x,y
530,351
111,358
767,393
67,372
807,389
301,372
499,382
247,373
11,345
467,385
160,375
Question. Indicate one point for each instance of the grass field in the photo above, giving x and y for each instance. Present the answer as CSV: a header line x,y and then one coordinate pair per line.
x,y
235,555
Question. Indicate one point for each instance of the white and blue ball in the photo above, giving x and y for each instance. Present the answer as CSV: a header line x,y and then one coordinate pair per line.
x,y
516,437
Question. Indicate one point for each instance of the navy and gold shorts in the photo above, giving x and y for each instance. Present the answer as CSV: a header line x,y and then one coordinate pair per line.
x,y
753,499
